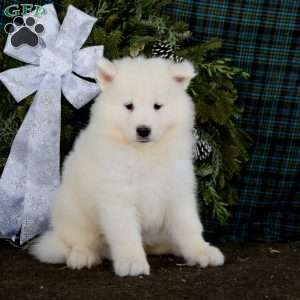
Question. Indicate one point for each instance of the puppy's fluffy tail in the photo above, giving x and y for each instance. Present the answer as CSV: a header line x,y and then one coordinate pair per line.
x,y
49,248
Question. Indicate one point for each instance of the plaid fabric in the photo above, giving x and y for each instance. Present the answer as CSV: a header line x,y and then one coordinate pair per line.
x,y
262,37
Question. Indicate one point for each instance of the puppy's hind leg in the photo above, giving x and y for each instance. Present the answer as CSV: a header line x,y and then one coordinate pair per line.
x,y
49,248
74,239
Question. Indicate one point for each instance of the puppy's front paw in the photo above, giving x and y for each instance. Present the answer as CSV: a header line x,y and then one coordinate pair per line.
x,y
207,256
81,257
131,267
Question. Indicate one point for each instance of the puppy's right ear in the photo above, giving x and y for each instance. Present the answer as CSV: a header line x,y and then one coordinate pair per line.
x,y
106,72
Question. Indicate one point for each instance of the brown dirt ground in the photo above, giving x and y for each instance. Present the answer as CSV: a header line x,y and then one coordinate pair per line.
x,y
252,271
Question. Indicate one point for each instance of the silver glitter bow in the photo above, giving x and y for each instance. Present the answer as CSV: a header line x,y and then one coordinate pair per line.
x,y
31,175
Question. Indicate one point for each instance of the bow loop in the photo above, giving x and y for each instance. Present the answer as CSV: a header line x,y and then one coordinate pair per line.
x,y
84,61
50,23
25,54
23,81
75,28
78,91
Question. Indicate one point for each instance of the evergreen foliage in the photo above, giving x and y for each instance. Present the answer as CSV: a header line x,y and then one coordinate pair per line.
x,y
132,27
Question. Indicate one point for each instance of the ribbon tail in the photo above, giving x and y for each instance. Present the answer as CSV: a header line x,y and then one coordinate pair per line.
x,y
42,173
31,175
12,183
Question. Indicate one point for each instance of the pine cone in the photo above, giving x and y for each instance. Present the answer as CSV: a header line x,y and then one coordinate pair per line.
x,y
165,50
202,149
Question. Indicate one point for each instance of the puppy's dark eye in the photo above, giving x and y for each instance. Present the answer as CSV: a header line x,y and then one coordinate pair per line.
x,y
157,106
129,106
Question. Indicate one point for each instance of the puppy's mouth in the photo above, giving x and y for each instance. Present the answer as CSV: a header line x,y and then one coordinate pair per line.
x,y
144,141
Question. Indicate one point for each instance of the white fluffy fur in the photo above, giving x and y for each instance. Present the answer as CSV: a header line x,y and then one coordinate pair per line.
x,y
120,197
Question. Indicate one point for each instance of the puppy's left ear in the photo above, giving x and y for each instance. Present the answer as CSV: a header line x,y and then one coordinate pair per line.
x,y
183,73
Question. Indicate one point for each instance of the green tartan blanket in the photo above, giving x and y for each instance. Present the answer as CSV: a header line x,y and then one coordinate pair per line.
x,y
262,37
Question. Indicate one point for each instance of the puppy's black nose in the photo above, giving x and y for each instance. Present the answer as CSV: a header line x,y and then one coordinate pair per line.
x,y
143,131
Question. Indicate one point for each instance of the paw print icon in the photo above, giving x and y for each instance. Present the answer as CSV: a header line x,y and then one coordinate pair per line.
x,y
24,31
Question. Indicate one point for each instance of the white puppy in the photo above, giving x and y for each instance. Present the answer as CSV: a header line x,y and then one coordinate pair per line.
x,y
128,186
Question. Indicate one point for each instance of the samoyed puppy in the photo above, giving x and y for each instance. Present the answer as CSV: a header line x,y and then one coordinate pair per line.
x,y
128,187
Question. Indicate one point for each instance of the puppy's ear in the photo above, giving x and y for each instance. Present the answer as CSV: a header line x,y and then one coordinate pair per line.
x,y
106,72
183,72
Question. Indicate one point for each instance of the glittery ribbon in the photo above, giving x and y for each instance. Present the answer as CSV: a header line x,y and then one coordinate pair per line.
x,y
31,175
